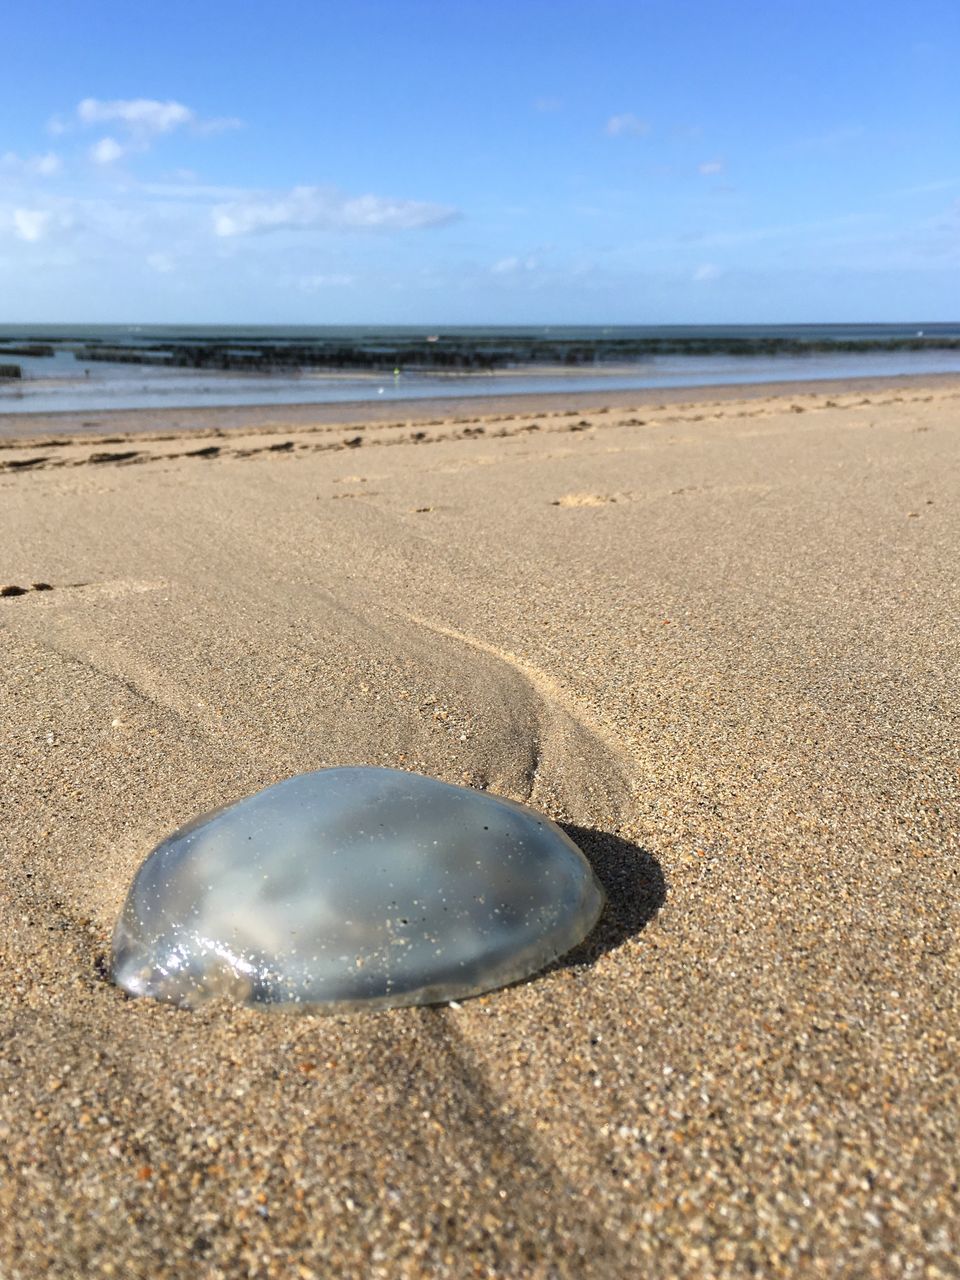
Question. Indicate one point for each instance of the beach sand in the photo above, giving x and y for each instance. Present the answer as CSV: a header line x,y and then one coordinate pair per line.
x,y
716,637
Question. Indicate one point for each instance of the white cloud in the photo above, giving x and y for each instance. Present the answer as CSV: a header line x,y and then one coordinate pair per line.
x,y
141,120
548,105
627,125
325,208
144,115
44,166
92,226
106,151
708,271
515,265
711,166
31,224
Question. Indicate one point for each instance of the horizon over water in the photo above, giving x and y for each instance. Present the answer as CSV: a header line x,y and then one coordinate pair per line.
x,y
101,367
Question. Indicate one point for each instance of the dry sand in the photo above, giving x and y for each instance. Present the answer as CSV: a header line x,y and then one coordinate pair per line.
x,y
719,640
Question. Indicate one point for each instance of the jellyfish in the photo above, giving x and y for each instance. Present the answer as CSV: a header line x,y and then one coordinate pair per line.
x,y
353,888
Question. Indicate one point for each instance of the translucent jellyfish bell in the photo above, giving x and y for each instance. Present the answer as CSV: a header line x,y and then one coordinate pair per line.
x,y
353,888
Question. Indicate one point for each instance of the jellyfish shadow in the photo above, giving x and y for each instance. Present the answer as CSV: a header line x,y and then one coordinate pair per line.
x,y
633,882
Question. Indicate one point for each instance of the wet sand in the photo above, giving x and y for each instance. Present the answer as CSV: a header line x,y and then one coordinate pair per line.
x,y
16,426
713,634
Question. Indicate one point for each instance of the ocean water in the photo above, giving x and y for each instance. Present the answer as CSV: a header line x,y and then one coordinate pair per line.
x,y
522,359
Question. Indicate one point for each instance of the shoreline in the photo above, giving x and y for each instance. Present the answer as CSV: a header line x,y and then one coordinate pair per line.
x,y
16,427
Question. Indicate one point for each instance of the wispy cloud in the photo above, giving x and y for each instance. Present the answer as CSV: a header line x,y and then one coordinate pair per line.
x,y
42,166
626,125
325,208
547,105
138,122
172,233
192,191
93,225
515,265
148,117
170,227
707,271
710,167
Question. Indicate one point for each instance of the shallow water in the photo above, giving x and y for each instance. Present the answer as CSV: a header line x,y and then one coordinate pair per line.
x,y
63,382
353,888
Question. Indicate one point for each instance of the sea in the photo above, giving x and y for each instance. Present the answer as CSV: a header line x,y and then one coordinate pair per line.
x,y
101,367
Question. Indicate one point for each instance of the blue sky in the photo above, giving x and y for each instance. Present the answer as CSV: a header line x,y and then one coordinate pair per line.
x,y
449,161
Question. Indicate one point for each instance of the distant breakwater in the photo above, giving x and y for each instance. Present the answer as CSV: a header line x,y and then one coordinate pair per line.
x,y
467,354
29,349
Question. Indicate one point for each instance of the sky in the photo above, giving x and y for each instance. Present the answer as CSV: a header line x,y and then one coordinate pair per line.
x,y
458,162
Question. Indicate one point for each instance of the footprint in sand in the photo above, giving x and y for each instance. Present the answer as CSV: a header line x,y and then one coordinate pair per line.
x,y
586,500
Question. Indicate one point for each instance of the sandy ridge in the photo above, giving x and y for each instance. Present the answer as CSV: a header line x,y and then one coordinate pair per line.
x,y
239,443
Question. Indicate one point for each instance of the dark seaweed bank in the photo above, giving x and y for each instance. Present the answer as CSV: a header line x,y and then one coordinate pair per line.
x,y
475,352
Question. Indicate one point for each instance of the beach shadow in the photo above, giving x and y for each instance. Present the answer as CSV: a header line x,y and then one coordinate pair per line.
x,y
515,1180
633,882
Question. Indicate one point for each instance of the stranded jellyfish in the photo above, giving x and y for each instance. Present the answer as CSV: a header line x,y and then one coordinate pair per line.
x,y
350,888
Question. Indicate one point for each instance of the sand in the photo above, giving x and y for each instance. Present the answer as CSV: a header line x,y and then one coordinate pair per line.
x,y
221,419
716,638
